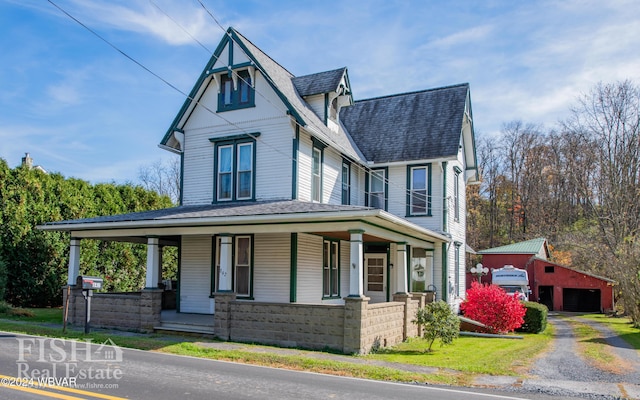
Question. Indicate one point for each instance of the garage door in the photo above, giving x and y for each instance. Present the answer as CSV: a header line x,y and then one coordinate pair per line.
x,y
581,300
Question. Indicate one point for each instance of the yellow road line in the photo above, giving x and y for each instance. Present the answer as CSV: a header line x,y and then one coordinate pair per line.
x,y
62,389
43,392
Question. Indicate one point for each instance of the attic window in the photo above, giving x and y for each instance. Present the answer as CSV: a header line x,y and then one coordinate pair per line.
x,y
236,91
549,269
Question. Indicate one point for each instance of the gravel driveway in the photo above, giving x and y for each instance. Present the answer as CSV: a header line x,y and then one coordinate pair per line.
x,y
562,372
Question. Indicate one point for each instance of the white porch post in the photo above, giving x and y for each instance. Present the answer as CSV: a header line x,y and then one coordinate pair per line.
x,y
153,261
401,268
226,254
356,269
74,261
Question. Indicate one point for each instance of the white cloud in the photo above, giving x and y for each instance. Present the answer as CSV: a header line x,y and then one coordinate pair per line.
x,y
146,18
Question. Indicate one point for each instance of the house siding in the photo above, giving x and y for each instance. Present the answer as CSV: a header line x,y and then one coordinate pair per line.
x,y
332,177
271,269
304,167
309,285
273,147
195,275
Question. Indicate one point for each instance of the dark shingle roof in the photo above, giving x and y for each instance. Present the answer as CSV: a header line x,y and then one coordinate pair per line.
x,y
410,126
218,210
321,82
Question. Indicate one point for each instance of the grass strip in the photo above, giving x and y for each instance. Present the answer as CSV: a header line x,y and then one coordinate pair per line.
x,y
593,347
476,355
620,325
186,346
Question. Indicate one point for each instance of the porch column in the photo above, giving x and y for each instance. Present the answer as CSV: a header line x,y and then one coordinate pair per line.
x,y
356,269
153,261
226,252
401,268
74,261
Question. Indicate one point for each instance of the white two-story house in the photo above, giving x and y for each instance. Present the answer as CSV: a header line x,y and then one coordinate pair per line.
x,y
306,218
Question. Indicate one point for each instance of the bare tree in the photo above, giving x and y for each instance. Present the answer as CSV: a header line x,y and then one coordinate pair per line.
x,y
162,178
607,121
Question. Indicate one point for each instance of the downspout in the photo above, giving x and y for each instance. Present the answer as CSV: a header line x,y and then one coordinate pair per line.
x,y
294,164
445,267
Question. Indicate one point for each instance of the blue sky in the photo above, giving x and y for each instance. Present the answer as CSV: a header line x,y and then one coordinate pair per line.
x,y
82,109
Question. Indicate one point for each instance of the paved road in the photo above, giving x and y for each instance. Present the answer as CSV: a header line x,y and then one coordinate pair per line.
x,y
147,375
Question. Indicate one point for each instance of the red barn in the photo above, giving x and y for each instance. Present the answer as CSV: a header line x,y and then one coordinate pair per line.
x,y
559,287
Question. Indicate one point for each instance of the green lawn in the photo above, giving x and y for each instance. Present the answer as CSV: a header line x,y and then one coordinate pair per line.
x,y
621,325
457,362
472,354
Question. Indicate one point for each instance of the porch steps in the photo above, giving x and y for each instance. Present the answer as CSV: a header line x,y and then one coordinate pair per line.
x,y
185,327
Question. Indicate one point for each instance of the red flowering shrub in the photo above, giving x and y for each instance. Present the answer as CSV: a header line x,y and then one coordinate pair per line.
x,y
492,306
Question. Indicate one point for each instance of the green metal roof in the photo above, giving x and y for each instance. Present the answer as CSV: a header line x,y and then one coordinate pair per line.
x,y
532,246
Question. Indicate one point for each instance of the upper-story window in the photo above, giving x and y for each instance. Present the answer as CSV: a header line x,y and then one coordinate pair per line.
x,y
234,168
235,96
346,182
377,190
419,185
316,171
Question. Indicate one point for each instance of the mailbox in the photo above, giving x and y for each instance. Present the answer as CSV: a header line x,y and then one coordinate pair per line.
x,y
90,282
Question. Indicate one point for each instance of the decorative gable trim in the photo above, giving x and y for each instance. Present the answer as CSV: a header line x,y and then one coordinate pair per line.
x,y
206,77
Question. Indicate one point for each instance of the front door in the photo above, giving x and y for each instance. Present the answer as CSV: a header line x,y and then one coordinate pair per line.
x,y
375,277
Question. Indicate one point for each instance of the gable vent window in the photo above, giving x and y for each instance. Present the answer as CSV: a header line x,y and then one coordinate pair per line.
x,y
236,92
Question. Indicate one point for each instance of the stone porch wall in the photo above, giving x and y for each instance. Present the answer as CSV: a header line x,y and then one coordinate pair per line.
x,y
139,311
289,325
382,326
355,327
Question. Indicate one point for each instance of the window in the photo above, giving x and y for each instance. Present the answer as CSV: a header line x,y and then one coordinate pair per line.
x,y
346,183
235,96
456,195
421,268
419,185
316,175
235,168
330,269
241,265
549,269
377,189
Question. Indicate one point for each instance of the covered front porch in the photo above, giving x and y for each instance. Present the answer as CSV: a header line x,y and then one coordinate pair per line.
x,y
293,274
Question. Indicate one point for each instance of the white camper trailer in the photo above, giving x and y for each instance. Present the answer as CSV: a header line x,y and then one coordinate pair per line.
x,y
513,280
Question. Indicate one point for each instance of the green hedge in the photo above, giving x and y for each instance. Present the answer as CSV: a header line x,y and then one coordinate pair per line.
x,y
535,320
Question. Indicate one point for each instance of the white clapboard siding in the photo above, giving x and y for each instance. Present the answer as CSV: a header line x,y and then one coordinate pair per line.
x,y
309,272
397,193
345,268
273,147
316,102
357,185
304,167
271,267
195,274
332,177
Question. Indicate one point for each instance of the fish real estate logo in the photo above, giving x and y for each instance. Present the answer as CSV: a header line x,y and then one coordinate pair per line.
x,y
68,363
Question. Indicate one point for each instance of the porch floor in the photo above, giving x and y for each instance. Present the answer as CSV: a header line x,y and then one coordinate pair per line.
x,y
170,320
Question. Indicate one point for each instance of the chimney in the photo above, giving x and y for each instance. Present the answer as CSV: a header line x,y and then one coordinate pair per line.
x,y
27,161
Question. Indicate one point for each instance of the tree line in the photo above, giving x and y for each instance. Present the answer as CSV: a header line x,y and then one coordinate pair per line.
x,y
34,264
577,184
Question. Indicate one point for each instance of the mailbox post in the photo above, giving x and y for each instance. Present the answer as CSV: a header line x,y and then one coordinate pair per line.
x,y
89,284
